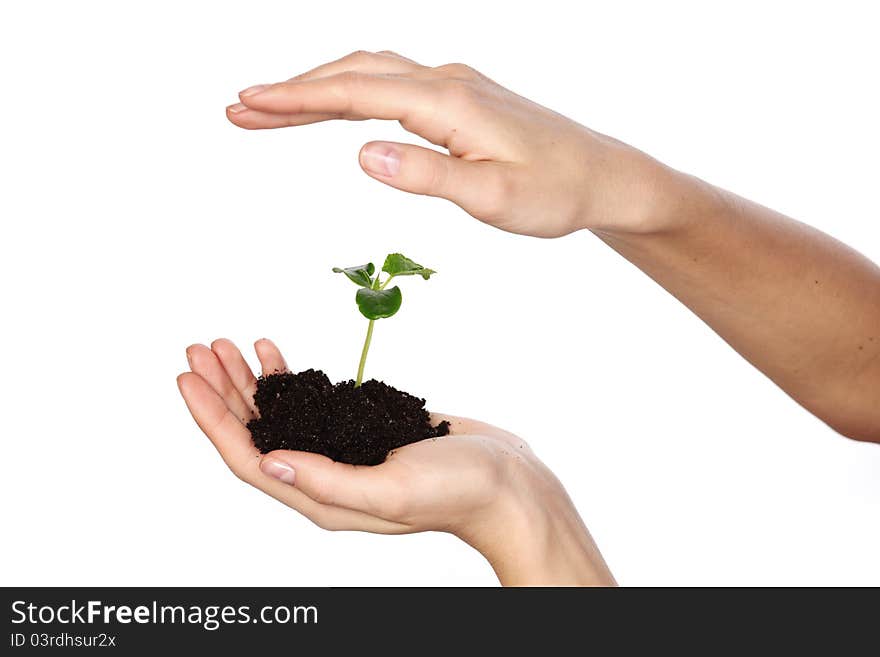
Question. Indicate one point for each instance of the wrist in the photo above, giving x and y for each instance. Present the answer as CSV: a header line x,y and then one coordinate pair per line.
x,y
639,195
533,535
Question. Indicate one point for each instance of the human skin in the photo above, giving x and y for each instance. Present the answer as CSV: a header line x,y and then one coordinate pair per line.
x,y
799,305
480,483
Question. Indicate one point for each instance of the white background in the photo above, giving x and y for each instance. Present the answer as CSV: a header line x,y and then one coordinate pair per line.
x,y
136,220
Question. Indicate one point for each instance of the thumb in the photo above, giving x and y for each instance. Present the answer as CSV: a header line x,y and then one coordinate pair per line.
x,y
329,482
477,187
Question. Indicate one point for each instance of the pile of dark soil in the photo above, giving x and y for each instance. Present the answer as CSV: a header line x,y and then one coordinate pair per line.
x,y
353,425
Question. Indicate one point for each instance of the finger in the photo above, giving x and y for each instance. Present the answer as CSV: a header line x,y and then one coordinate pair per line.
x,y
360,488
217,422
270,357
362,62
238,370
205,363
477,187
350,95
233,442
250,119
384,62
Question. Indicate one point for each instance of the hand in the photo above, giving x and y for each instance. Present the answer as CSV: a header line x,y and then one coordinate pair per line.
x,y
479,483
512,163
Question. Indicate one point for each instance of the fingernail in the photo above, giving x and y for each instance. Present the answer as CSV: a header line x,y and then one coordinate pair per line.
x,y
381,159
278,470
235,109
250,91
189,356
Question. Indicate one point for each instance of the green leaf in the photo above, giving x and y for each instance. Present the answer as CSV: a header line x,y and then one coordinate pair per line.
x,y
376,304
360,275
398,264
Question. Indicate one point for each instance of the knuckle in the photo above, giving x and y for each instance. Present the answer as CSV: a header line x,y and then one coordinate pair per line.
x,y
349,84
358,56
459,93
458,70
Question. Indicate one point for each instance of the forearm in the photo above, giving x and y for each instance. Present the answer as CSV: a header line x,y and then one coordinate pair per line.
x,y
535,537
799,305
553,551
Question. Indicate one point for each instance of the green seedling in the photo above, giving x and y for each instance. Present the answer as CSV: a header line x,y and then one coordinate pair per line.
x,y
374,298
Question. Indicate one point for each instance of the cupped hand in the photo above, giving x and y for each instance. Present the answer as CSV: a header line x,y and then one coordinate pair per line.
x,y
409,492
480,483
511,162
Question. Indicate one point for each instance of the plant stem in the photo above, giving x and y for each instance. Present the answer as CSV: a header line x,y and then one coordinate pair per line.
x,y
377,285
360,376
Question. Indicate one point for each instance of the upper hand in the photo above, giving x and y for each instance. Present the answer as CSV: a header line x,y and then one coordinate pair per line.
x,y
512,163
